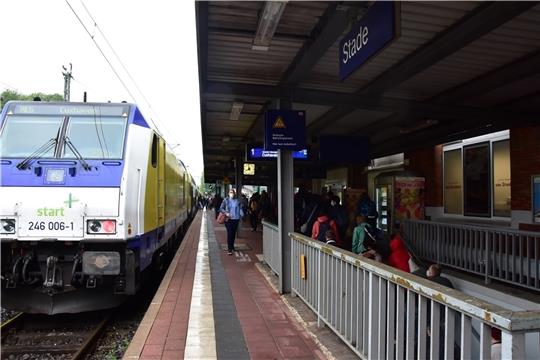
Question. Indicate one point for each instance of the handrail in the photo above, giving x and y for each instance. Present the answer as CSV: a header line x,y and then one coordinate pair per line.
x,y
270,225
489,313
271,246
507,255
476,227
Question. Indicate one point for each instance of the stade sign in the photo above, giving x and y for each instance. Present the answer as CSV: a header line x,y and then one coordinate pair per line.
x,y
377,28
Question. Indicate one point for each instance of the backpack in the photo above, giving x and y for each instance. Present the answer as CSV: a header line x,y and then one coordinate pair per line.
x,y
254,205
323,228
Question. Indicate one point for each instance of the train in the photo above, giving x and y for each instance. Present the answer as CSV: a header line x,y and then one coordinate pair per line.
x,y
91,200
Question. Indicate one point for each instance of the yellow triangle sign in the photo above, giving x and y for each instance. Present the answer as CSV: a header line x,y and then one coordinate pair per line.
x,y
279,123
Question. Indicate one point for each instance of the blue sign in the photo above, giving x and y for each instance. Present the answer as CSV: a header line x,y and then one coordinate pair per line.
x,y
377,28
261,154
285,129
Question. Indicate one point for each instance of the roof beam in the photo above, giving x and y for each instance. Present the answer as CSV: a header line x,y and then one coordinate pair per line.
x,y
523,110
330,27
347,101
501,76
517,70
473,26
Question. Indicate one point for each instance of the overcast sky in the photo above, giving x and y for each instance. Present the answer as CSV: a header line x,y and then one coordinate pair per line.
x,y
155,40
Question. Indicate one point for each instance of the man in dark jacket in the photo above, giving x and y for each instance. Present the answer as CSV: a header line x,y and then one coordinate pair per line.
x,y
434,274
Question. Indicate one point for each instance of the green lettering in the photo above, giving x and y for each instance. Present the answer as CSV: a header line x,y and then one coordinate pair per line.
x,y
40,212
50,212
61,211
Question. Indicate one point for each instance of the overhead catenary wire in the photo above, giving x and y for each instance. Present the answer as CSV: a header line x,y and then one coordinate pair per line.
x,y
92,36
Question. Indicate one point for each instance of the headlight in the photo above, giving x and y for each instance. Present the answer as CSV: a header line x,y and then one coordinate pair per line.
x,y
7,226
101,226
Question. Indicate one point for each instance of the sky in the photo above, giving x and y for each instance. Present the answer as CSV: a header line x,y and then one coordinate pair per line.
x,y
155,41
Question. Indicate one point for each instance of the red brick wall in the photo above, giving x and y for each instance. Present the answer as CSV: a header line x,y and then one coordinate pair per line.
x,y
427,162
524,162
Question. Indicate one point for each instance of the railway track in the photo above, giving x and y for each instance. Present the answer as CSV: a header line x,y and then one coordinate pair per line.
x,y
59,337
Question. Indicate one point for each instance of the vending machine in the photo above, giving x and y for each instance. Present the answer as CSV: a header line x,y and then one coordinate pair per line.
x,y
399,195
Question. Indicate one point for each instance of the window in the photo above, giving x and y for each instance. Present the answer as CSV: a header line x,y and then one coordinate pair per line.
x,y
22,135
154,150
476,178
501,178
99,137
453,182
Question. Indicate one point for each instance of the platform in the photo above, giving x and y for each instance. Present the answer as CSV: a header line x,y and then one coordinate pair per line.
x,y
211,305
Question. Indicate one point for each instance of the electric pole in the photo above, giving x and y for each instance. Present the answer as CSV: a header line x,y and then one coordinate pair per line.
x,y
67,81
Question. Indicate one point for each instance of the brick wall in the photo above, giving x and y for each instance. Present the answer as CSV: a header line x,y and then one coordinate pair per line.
x,y
427,162
524,162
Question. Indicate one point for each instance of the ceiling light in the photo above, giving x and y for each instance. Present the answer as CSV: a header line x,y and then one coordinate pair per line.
x,y
268,23
236,110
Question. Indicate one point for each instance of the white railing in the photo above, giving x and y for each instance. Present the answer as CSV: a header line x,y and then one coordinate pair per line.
x,y
271,251
385,313
503,254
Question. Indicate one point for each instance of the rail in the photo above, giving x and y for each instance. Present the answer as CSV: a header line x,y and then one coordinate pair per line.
x,y
503,254
384,313
271,241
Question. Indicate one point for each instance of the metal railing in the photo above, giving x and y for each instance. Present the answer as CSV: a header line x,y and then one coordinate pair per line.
x,y
271,250
503,254
384,313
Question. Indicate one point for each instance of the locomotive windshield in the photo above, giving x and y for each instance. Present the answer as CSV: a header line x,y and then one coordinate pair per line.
x,y
97,132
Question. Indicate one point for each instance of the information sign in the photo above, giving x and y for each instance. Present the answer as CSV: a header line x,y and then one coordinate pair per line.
x,y
257,153
285,129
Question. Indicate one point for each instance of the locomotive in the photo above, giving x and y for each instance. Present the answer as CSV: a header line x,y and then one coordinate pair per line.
x,y
91,198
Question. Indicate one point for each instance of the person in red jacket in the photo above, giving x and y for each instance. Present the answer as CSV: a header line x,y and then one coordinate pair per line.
x,y
321,226
399,256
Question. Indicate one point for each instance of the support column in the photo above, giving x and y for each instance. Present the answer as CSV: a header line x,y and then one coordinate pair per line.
x,y
238,181
285,216
285,208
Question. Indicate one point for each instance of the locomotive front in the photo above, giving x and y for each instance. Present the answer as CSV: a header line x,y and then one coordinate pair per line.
x,y
62,217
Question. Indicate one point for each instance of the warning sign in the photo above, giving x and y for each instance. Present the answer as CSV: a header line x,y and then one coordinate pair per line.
x,y
285,129
279,123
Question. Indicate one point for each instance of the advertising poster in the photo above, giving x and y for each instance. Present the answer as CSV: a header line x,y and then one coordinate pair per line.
x,y
409,198
536,198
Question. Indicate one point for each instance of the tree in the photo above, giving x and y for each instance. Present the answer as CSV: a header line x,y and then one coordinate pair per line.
x,y
8,95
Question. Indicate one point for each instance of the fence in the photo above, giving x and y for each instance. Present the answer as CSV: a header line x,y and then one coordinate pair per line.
x,y
384,313
271,250
507,255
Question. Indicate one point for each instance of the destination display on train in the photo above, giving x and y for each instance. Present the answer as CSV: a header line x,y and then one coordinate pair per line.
x,y
68,110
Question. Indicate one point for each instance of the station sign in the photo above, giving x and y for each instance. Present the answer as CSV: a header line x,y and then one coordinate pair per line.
x,y
375,30
285,130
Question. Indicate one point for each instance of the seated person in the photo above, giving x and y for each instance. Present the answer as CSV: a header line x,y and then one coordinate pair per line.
x,y
399,256
371,252
433,273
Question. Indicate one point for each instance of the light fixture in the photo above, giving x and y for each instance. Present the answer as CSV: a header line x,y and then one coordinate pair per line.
x,y
236,110
268,22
